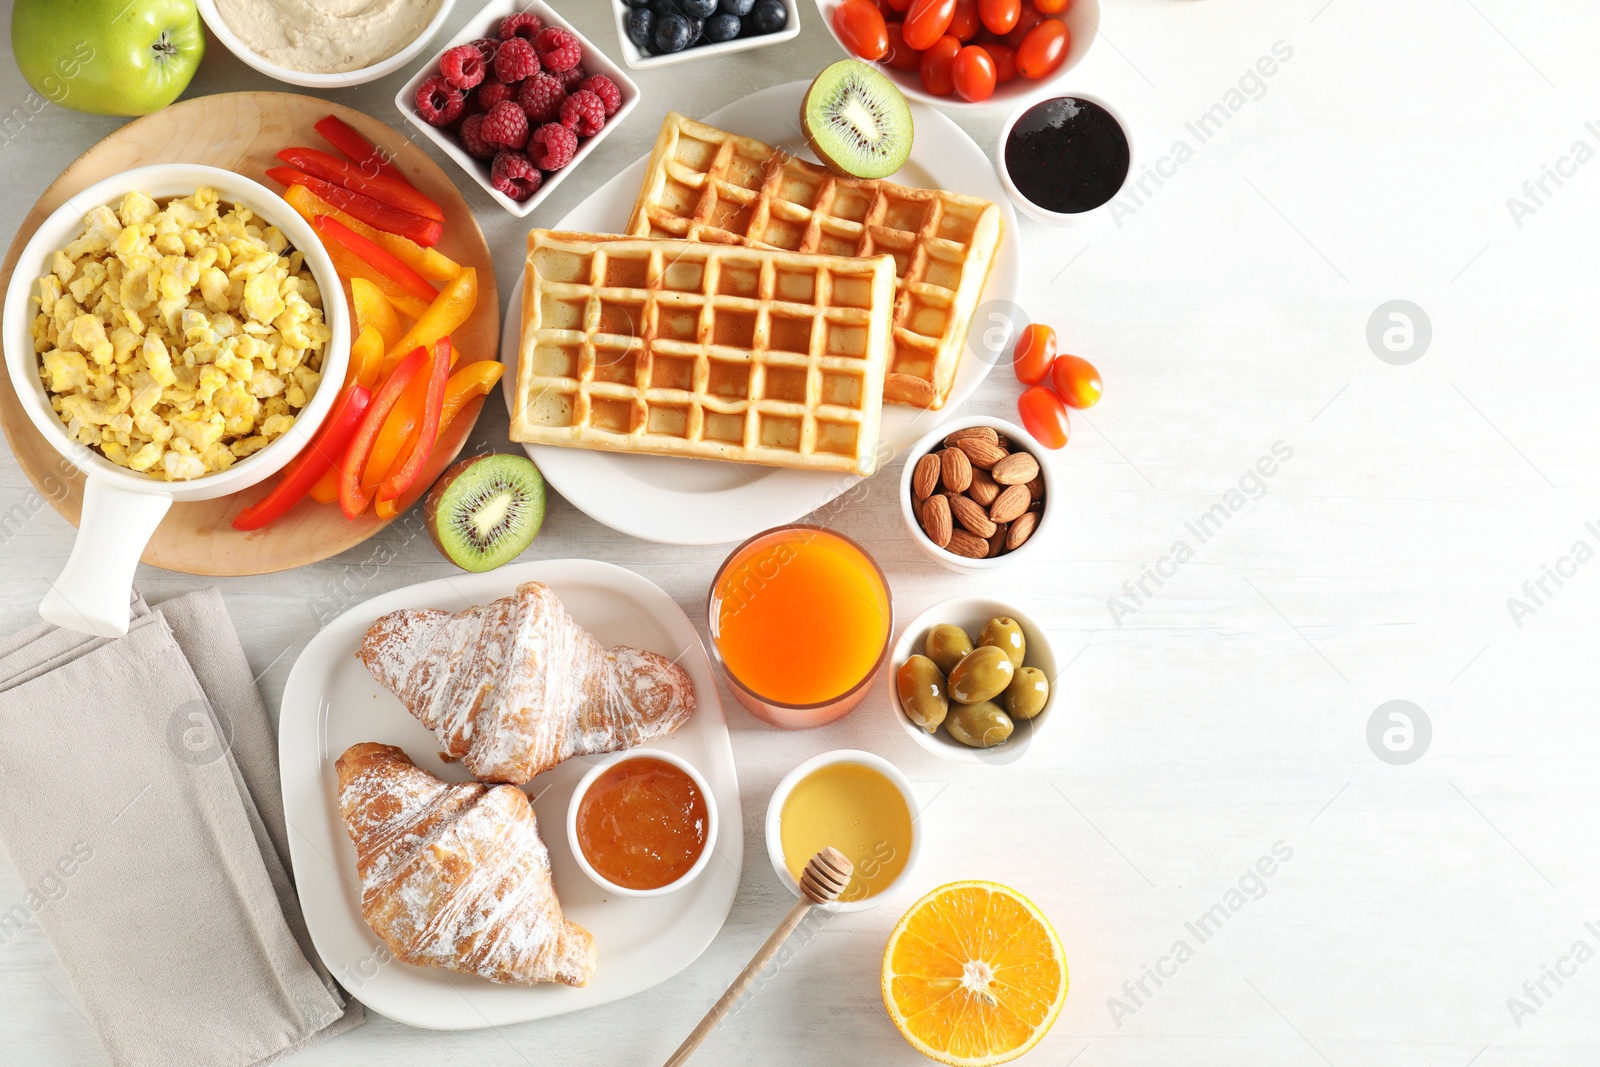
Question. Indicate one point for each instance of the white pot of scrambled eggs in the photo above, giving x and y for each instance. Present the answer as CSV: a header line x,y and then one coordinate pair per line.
x,y
177,332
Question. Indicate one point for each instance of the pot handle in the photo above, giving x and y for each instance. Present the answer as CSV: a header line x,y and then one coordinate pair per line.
x,y
91,595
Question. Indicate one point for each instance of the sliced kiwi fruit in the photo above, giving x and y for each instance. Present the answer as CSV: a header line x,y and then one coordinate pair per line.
x,y
484,511
857,121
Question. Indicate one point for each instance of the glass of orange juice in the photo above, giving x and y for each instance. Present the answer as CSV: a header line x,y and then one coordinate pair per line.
x,y
800,622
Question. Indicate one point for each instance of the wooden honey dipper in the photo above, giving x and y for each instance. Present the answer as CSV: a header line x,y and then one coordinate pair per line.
x,y
824,878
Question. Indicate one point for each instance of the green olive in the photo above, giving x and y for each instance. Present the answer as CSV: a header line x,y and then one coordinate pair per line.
x,y
920,685
1027,694
982,725
1003,632
945,645
982,674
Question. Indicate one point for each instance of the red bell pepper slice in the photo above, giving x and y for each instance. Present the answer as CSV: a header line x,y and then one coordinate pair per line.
x,y
407,473
391,191
374,213
362,153
353,497
306,469
379,259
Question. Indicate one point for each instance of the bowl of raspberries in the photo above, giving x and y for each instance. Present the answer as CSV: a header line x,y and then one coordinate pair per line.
x,y
655,33
518,98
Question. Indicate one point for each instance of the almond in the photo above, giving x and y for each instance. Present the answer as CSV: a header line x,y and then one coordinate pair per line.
x,y
955,470
1020,530
983,488
971,546
997,543
936,520
983,454
969,513
985,432
1019,468
1036,487
925,478
1012,501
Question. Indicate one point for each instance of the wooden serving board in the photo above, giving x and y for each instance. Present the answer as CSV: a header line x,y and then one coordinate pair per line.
x,y
244,132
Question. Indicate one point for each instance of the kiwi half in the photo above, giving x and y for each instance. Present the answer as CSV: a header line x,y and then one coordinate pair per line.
x,y
484,511
857,121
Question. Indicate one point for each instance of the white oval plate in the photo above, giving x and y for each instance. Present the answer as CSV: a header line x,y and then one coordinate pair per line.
x,y
331,703
706,502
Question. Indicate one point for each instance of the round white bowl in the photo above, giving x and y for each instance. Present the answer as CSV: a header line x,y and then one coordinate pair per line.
x,y
970,613
933,441
1028,207
588,780
312,80
786,786
1083,24
121,508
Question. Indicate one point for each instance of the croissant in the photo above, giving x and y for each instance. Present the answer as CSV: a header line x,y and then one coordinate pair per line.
x,y
515,687
456,876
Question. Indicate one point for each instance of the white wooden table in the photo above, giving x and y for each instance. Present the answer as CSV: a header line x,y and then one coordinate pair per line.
x,y
1222,711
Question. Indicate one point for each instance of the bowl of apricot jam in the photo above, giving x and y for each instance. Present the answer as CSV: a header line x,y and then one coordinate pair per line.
x,y
642,823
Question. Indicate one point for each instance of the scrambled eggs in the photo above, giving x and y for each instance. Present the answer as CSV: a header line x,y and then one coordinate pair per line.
x,y
177,339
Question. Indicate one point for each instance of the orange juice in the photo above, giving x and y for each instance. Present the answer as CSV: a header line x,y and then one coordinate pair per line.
x,y
800,618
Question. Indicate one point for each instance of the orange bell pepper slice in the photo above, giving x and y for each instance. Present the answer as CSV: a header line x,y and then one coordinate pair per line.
x,y
366,357
472,380
373,309
404,474
350,266
449,310
353,496
428,262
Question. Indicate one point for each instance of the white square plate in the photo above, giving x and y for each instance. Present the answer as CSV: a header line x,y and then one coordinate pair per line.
x,y
331,703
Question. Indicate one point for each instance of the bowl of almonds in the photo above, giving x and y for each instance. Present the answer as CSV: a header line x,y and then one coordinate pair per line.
x,y
974,495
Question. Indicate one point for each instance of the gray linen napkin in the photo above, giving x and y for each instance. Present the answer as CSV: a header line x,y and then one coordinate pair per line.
x,y
142,810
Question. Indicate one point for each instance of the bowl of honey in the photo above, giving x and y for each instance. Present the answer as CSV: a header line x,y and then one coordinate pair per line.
x,y
800,620
642,823
856,802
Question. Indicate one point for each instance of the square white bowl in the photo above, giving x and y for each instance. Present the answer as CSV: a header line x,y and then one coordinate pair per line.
x,y
643,61
487,24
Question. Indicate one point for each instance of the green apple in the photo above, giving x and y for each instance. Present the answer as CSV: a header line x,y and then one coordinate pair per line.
x,y
111,57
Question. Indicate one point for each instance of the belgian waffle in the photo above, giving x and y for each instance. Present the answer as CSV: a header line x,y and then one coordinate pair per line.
x,y
678,348
706,184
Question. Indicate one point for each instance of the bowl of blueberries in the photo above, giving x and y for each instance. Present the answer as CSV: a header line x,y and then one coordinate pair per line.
x,y
656,33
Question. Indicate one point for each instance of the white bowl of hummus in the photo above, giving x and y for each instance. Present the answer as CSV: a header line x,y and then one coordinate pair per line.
x,y
325,44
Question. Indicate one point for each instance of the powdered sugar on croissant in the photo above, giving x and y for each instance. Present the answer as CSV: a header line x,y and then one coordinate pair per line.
x,y
514,687
456,876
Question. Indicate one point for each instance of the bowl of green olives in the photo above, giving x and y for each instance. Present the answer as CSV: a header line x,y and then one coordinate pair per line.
x,y
974,680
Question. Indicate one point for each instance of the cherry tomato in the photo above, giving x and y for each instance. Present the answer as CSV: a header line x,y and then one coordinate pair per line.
x,y
898,5
1075,381
964,23
973,73
927,21
1043,50
900,56
1044,416
861,28
999,16
1005,61
936,62
1026,21
1035,351
1051,7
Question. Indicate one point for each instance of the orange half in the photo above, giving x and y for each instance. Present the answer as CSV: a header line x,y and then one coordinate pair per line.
x,y
974,975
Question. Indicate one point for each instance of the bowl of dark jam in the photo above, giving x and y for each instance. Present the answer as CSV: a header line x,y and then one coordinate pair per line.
x,y
1065,158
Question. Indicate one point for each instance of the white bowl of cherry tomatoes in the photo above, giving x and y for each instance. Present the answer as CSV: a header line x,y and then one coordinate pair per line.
x,y
966,53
